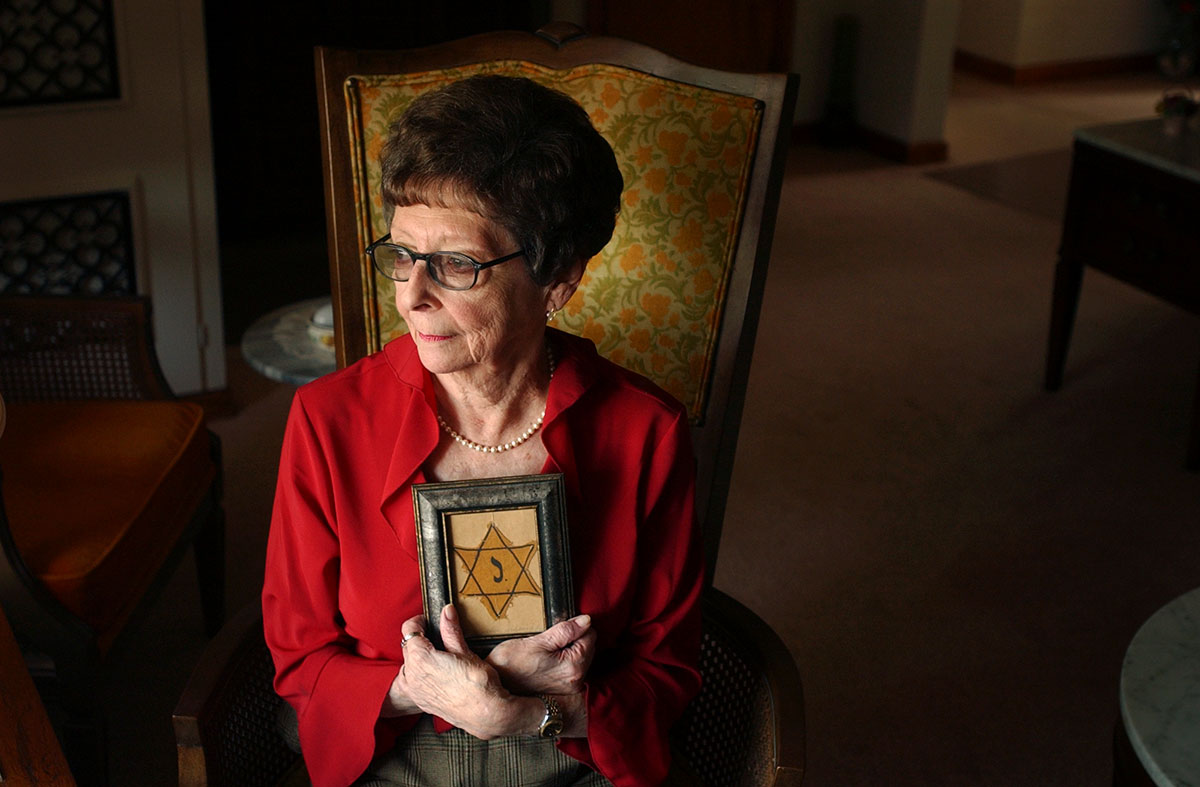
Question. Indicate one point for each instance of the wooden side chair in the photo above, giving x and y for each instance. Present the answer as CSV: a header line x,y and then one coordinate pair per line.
x,y
675,296
107,481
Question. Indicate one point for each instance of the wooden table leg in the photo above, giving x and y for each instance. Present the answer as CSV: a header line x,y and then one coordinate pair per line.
x,y
1068,279
29,751
1128,770
1193,454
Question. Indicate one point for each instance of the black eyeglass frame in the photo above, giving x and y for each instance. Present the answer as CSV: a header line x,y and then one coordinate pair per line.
x,y
478,266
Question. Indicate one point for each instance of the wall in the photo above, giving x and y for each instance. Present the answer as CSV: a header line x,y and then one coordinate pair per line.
x,y
991,29
153,142
934,70
1055,31
903,64
1021,33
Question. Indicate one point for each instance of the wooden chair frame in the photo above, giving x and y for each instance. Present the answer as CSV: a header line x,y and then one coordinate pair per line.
x,y
564,46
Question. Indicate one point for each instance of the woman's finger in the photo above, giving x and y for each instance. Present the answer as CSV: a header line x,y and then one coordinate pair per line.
x,y
561,635
412,633
414,625
451,630
581,651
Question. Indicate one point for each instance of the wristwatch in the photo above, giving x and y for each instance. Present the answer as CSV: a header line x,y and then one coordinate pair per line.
x,y
552,722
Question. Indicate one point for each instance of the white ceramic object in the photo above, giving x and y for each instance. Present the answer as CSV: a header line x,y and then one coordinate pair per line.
x,y
320,326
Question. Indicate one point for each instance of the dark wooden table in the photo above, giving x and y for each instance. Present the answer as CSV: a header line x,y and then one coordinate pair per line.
x,y
1133,212
29,751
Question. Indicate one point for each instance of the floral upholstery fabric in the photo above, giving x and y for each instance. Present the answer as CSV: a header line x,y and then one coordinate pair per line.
x,y
652,299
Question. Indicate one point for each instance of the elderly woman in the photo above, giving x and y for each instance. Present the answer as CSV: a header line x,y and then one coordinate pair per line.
x,y
499,191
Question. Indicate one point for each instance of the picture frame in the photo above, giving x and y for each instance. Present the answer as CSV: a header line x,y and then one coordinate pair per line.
x,y
498,549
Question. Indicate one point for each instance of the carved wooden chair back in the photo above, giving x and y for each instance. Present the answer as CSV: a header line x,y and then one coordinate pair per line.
x,y
675,295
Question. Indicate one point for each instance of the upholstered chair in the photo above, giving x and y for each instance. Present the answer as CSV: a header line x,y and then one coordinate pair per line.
x,y
674,296
107,482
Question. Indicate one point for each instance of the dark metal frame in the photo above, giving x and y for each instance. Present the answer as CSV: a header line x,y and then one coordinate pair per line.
x,y
434,503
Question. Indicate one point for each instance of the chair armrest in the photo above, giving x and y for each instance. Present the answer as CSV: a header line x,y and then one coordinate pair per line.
x,y
69,347
225,721
747,725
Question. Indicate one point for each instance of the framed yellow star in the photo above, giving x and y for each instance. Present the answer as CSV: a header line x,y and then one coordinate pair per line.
x,y
498,549
497,570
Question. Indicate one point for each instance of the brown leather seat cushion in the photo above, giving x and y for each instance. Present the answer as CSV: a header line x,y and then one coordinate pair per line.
x,y
99,492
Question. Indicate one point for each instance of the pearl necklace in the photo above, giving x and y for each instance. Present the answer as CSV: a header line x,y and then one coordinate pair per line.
x,y
511,444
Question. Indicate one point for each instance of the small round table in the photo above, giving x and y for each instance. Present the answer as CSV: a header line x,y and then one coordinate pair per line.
x,y
1160,693
278,345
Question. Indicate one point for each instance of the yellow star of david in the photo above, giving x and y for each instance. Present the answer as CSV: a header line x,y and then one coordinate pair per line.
x,y
497,570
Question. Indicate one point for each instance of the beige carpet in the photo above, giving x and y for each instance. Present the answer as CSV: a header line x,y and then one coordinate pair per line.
x,y
1035,182
956,558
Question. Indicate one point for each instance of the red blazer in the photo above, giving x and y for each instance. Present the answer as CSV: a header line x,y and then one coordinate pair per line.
x,y
342,571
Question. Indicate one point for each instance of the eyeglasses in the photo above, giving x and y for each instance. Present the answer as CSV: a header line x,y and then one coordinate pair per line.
x,y
448,269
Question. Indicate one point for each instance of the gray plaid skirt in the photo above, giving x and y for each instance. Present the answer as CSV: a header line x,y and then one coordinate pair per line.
x,y
423,758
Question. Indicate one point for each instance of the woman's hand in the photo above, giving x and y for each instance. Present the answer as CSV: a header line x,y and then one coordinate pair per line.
x,y
555,661
457,685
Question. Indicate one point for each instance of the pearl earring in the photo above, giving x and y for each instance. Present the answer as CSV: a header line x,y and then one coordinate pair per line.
x,y
550,313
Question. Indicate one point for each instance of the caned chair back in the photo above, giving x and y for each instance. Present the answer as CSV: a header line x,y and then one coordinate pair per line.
x,y
675,294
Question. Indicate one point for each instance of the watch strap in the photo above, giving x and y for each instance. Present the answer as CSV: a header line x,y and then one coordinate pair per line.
x,y
552,722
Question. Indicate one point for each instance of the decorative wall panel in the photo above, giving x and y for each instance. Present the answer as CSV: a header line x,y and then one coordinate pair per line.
x,y
54,51
78,244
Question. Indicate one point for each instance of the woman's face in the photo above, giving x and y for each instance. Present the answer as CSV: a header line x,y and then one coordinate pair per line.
x,y
486,329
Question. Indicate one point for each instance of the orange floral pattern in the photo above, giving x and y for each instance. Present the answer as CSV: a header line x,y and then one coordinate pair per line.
x,y
652,299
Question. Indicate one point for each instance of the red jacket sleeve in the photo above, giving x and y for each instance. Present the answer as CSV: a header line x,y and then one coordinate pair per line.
x,y
636,695
337,694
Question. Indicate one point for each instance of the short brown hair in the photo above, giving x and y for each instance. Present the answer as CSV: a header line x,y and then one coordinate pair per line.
x,y
521,155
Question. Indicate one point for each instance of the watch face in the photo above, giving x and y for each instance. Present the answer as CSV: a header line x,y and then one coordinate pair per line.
x,y
552,728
